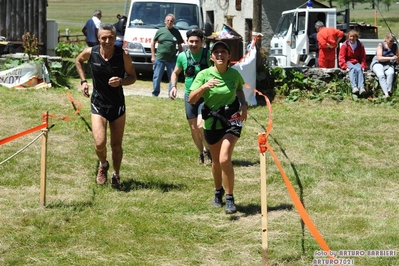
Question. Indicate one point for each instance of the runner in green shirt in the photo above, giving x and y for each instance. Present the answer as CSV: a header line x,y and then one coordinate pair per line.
x,y
191,62
224,111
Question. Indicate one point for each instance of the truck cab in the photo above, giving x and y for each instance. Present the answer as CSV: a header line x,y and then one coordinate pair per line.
x,y
147,16
292,44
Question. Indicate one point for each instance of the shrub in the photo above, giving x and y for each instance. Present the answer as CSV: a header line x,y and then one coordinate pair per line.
x,y
69,50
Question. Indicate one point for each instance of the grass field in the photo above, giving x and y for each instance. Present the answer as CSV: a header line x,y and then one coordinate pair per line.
x,y
341,158
73,14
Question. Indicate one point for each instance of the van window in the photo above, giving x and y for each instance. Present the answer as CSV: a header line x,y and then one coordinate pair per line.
x,y
152,15
284,24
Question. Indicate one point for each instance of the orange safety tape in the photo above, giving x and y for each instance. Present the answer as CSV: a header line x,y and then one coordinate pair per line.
x,y
263,146
254,40
75,104
299,206
23,133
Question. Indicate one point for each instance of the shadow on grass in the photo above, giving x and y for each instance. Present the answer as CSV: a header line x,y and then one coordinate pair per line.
x,y
254,209
131,184
74,205
299,183
244,163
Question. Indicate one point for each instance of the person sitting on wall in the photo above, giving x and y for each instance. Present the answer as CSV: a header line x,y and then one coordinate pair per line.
x,y
383,63
352,57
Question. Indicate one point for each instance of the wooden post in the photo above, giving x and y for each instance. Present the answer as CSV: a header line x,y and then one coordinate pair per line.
x,y
43,168
263,200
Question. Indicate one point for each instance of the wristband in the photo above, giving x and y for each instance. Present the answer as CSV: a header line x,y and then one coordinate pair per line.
x,y
120,81
83,81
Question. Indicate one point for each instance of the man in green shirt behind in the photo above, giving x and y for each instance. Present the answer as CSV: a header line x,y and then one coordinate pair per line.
x,y
192,62
167,38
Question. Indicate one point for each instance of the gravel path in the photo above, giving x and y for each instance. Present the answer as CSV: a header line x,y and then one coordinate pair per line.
x,y
139,89
144,88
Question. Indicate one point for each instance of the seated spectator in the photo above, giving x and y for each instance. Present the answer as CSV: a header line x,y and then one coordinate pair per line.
x,y
352,57
383,64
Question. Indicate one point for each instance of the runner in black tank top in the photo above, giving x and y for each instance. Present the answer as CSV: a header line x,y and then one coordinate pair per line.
x,y
111,68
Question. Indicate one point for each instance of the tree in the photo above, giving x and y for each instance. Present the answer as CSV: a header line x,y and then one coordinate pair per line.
x,y
387,4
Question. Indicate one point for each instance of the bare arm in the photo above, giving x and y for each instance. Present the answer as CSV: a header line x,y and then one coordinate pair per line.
x,y
131,76
173,80
80,59
384,58
153,51
244,105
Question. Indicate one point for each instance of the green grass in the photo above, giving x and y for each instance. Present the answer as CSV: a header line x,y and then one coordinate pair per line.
x,y
74,14
341,158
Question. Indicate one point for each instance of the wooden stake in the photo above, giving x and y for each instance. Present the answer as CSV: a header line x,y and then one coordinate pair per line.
x,y
43,168
263,200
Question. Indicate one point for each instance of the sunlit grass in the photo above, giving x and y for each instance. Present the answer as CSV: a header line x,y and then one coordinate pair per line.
x,y
340,157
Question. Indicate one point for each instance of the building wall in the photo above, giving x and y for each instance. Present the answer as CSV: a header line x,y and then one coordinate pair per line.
x,y
18,17
242,19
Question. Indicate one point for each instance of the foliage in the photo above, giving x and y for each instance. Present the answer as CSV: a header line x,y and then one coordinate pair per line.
x,y
293,86
30,45
11,63
62,72
69,50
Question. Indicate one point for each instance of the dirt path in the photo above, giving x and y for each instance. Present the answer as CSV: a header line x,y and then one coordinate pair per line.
x,y
143,88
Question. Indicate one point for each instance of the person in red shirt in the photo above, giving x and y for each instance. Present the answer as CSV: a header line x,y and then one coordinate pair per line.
x,y
328,40
352,57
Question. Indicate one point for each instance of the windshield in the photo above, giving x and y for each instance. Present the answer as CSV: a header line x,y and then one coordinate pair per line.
x,y
152,15
284,24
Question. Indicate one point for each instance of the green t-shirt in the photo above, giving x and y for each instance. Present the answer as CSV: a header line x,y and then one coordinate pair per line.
x,y
195,59
222,94
167,41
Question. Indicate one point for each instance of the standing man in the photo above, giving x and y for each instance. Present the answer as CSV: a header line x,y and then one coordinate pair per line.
x,y
167,38
111,67
328,40
90,30
192,62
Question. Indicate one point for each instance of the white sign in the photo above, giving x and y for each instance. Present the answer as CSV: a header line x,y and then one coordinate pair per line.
x,y
27,75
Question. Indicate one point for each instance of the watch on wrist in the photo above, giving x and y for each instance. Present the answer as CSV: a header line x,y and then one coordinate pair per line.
x,y
83,81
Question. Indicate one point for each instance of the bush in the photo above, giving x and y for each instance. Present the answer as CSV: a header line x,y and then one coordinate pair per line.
x,y
69,50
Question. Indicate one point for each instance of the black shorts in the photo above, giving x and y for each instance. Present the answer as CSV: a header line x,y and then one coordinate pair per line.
x,y
213,136
111,114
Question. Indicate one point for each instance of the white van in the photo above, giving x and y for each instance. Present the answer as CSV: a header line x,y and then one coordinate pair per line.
x,y
146,17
